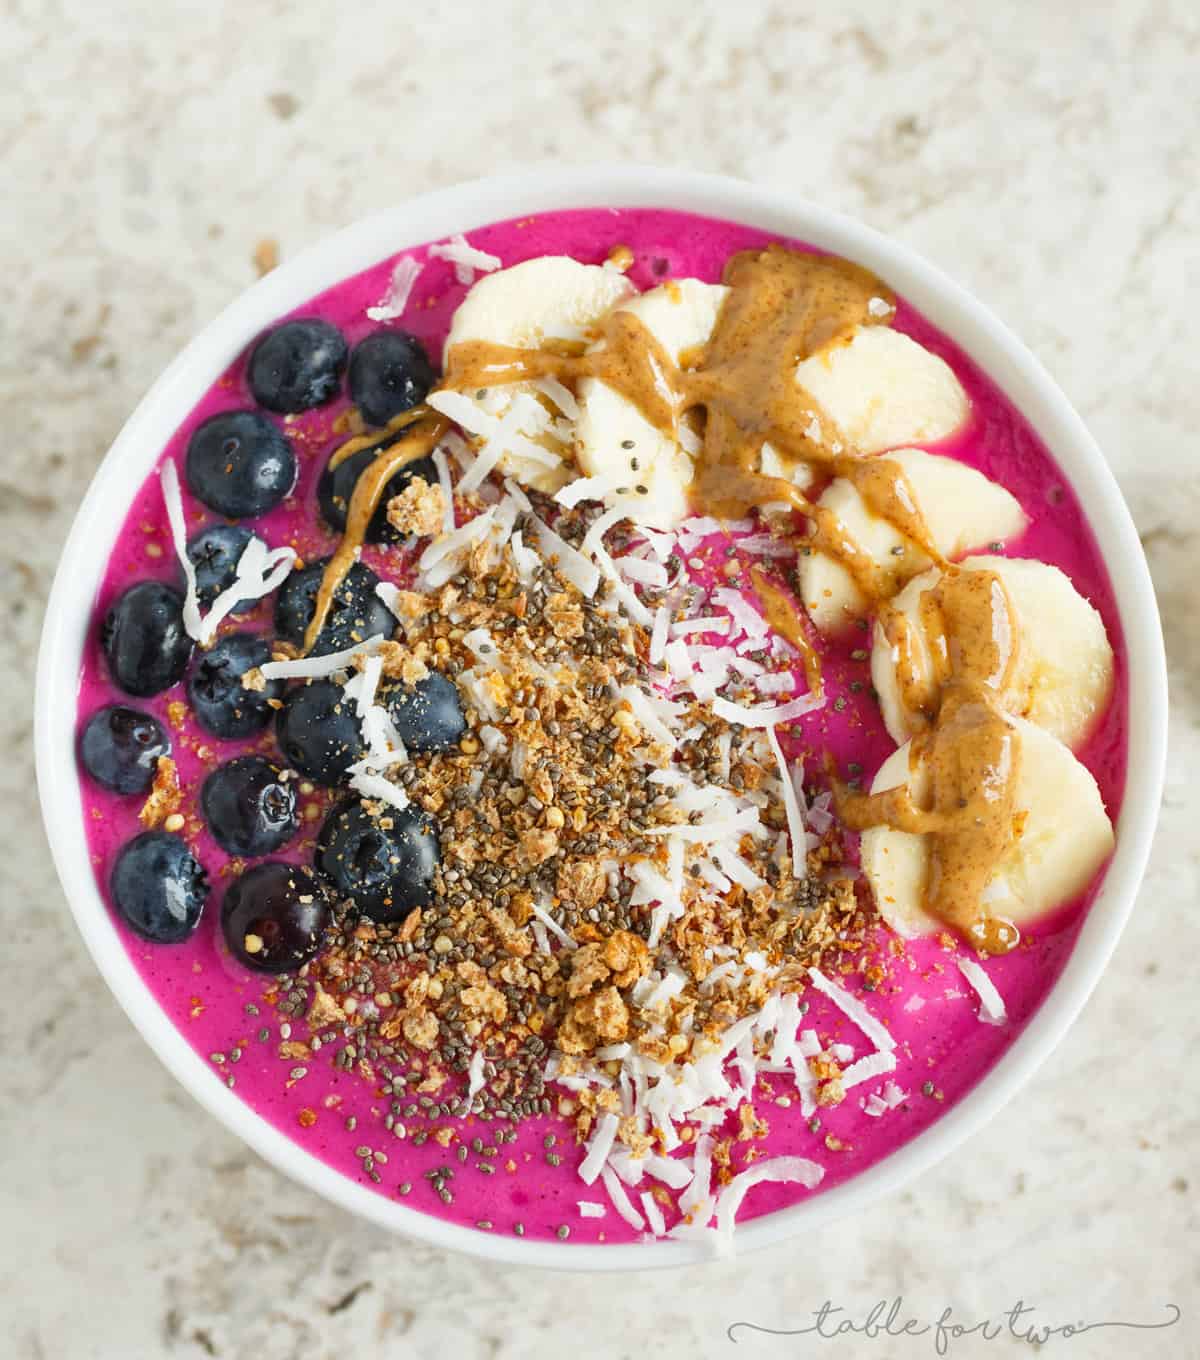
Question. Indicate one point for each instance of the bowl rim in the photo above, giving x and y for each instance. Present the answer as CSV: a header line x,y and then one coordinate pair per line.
x,y
461,208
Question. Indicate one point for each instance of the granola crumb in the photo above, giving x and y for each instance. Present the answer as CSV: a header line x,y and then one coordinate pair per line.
x,y
418,509
164,797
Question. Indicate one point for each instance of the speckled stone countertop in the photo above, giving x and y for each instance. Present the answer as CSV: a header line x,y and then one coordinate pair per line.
x,y
1048,156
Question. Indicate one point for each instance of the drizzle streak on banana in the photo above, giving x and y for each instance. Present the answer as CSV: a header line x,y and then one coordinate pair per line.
x,y
968,745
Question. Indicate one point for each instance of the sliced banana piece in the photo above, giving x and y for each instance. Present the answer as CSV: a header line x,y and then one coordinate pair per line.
x,y
883,390
1065,839
550,298
615,442
961,507
1064,672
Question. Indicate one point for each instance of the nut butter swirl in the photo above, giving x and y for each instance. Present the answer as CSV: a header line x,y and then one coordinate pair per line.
x,y
783,306
968,747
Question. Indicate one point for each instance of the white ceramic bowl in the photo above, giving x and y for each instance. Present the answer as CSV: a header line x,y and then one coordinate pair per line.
x,y
460,209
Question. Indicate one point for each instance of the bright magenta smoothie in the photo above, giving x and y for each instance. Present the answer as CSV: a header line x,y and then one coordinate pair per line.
x,y
227,1013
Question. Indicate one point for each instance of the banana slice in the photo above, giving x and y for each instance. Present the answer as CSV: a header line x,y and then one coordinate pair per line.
x,y
882,390
1064,672
615,442
961,507
1065,839
550,298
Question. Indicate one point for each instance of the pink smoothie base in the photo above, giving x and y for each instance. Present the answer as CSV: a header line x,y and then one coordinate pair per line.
x,y
924,1000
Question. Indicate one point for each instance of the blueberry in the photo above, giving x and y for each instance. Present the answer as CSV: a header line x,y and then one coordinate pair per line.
x,y
239,464
249,809
120,748
356,614
389,373
319,732
297,365
337,486
274,917
215,553
221,703
386,869
427,715
158,887
144,639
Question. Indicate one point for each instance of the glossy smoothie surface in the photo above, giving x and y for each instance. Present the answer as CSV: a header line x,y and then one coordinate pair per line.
x,y
226,1013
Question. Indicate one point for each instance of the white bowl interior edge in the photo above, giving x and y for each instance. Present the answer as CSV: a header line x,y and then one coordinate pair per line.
x,y
461,208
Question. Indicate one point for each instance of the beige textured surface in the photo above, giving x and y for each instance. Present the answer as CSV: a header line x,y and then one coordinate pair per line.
x,y
1050,161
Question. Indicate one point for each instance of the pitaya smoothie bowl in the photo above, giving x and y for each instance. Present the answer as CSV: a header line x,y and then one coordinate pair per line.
x,y
581,794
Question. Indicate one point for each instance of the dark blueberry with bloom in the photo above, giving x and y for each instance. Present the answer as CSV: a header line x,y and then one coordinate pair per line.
x,y
356,614
427,715
240,465
221,702
120,748
159,887
144,639
389,373
249,807
274,917
214,553
297,365
319,732
384,863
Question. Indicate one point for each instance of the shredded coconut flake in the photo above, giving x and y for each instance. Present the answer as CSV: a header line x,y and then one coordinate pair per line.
x,y
465,258
573,566
169,481
260,570
992,1010
644,711
442,463
314,667
560,395
593,539
553,927
475,1075
853,1010
767,716
588,1208
620,1200
376,786
654,1215
764,545
791,807
742,612
779,1169
868,1068
775,682
598,1148
658,634
583,489
644,573
404,275
706,623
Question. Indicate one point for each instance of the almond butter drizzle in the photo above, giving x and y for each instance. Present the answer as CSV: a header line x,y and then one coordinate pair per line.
x,y
422,433
969,748
783,307
782,613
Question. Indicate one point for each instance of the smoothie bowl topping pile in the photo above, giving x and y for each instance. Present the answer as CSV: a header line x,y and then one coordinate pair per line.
x,y
537,807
